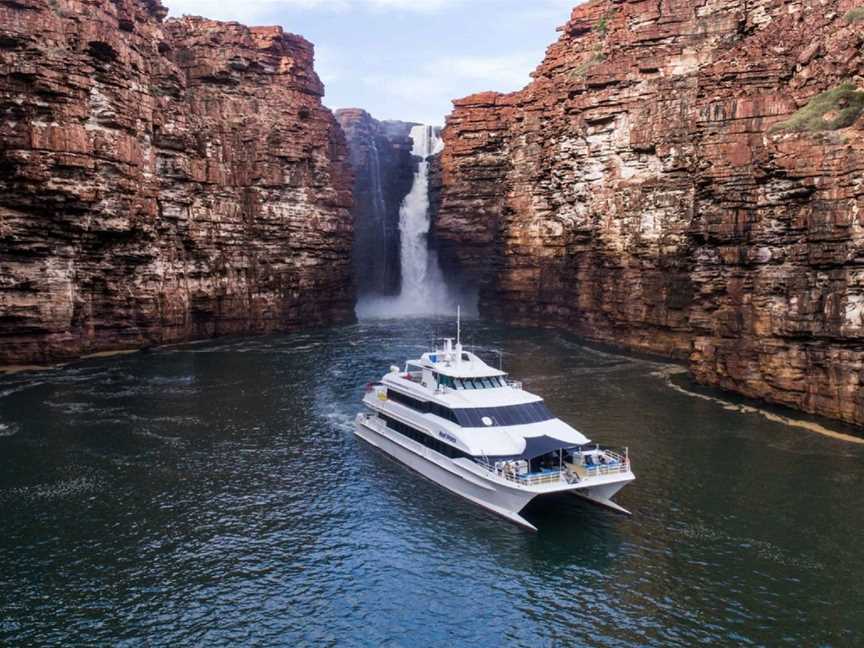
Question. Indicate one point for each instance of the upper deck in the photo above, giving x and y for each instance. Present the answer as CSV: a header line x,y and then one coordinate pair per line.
x,y
458,379
456,363
473,403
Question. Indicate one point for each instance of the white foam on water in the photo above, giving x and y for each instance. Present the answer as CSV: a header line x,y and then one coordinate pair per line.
x,y
7,430
303,347
19,387
50,491
171,441
667,373
762,549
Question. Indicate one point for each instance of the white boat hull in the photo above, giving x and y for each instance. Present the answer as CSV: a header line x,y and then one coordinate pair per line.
x,y
472,482
452,477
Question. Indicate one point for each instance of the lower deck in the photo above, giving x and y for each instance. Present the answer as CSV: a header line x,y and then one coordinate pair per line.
x,y
565,467
503,487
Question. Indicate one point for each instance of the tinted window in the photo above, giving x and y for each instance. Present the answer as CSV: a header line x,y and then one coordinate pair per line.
x,y
475,383
424,439
406,400
504,416
473,416
426,407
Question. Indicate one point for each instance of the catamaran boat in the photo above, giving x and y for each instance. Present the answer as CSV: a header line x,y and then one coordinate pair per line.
x,y
470,428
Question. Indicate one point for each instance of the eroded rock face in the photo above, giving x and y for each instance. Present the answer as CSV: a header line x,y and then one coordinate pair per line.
x,y
643,191
162,181
384,168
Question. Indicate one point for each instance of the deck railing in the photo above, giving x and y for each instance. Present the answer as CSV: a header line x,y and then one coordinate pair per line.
x,y
531,479
616,463
552,477
606,469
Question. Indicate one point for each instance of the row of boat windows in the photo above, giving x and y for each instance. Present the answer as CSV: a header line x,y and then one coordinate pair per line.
x,y
421,437
504,416
422,406
469,383
478,416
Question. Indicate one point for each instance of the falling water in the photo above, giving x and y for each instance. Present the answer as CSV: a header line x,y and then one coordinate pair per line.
x,y
378,203
376,234
424,291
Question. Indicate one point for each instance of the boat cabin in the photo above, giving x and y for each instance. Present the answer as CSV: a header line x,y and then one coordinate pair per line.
x,y
456,369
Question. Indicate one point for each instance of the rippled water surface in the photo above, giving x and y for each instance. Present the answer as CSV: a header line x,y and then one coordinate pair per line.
x,y
213,494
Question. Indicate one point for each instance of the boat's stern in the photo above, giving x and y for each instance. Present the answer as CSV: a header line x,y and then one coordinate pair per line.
x,y
593,473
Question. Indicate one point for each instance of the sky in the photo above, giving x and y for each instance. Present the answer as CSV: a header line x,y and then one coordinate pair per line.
x,y
407,59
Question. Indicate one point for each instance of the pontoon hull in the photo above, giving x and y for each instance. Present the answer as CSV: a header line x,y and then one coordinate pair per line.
x,y
494,495
504,502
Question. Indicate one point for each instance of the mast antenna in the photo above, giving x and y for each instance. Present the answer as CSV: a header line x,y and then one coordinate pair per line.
x,y
459,324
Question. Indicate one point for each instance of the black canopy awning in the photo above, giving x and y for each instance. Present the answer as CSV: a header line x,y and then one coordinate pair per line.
x,y
535,447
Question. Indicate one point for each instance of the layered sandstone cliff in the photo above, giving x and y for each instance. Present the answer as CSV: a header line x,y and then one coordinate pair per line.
x,y
380,154
681,177
162,181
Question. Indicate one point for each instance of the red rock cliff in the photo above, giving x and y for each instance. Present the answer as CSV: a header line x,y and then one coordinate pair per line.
x,y
682,177
162,181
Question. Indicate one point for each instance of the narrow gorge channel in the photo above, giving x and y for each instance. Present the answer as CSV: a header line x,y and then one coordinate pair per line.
x,y
205,272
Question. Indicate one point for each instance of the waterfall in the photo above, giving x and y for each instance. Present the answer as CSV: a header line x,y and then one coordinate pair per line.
x,y
422,284
378,202
423,291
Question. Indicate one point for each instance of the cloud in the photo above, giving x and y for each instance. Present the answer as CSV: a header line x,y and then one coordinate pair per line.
x,y
251,10
408,59
330,64
426,95
503,73
411,5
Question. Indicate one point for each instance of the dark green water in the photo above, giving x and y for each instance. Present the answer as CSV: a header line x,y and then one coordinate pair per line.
x,y
214,494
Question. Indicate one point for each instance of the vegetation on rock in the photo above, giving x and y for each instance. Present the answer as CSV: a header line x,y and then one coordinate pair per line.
x,y
581,70
855,15
833,109
603,23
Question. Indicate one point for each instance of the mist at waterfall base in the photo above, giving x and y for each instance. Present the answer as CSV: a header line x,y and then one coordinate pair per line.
x,y
424,291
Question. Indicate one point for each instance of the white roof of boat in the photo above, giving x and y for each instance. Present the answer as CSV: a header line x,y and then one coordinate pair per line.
x,y
492,441
510,440
449,363
496,440
497,397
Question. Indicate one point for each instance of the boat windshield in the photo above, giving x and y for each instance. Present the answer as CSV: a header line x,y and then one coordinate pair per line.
x,y
490,382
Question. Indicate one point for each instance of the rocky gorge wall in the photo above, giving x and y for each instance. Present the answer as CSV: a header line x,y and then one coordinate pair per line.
x,y
162,181
380,154
683,177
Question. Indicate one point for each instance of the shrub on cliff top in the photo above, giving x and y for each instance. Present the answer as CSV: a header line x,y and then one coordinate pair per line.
x,y
836,108
855,15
